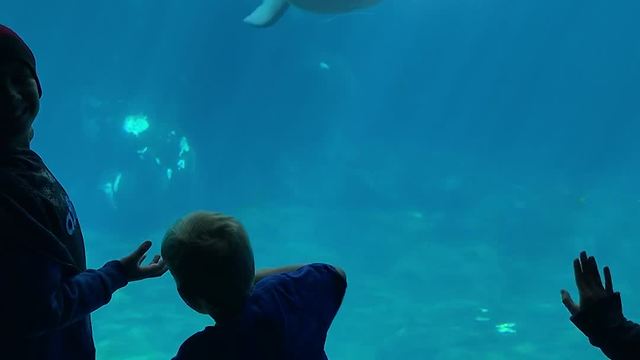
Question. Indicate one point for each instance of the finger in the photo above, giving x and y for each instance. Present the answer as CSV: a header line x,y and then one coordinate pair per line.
x,y
584,259
594,274
163,265
154,270
568,302
608,283
154,266
155,259
142,249
164,269
586,274
577,270
141,259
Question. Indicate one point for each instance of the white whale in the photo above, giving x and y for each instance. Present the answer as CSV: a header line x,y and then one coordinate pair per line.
x,y
271,11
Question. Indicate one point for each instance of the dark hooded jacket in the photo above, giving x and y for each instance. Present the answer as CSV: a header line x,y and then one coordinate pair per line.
x,y
46,291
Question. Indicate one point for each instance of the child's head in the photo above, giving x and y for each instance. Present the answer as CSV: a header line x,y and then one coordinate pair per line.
x,y
210,257
20,90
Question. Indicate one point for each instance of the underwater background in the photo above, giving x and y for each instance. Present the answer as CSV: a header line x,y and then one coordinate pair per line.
x,y
452,156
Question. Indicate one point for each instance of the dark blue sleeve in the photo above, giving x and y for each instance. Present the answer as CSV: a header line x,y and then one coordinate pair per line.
x,y
607,328
319,289
37,296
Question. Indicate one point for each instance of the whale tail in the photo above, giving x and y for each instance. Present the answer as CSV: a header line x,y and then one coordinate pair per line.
x,y
268,13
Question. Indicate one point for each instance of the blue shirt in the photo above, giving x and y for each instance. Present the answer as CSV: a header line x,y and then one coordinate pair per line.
x,y
46,291
286,317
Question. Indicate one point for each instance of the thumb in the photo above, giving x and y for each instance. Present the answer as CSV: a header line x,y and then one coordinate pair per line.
x,y
568,302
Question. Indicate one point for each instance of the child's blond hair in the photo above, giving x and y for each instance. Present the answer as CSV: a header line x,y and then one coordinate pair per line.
x,y
210,257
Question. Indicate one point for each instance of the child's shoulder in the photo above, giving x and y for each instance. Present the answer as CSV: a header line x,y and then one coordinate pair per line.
x,y
197,344
310,278
318,271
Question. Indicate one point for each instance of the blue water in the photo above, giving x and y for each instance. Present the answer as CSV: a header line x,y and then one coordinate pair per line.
x,y
452,156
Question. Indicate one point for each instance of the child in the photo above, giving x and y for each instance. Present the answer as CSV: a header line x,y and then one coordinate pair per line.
x,y
275,314
599,314
46,291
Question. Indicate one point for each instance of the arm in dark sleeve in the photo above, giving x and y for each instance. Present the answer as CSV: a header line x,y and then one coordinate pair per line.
x,y
37,296
37,292
607,328
321,289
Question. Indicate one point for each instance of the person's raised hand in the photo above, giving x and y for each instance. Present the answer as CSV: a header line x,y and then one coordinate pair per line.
x,y
133,264
589,284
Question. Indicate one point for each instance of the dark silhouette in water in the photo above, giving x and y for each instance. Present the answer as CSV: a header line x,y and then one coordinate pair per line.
x,y
47,291
599,313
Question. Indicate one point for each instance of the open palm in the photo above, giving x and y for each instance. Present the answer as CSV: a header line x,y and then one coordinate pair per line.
x,y
133,264
589,284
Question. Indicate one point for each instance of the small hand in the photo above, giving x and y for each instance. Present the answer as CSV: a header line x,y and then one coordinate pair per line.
x,y
589,284
135,271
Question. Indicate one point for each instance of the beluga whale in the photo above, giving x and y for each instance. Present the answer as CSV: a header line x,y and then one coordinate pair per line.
x,y
270,11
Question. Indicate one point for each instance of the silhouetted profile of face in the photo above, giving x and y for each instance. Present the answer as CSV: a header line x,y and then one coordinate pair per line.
x,y
19,101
